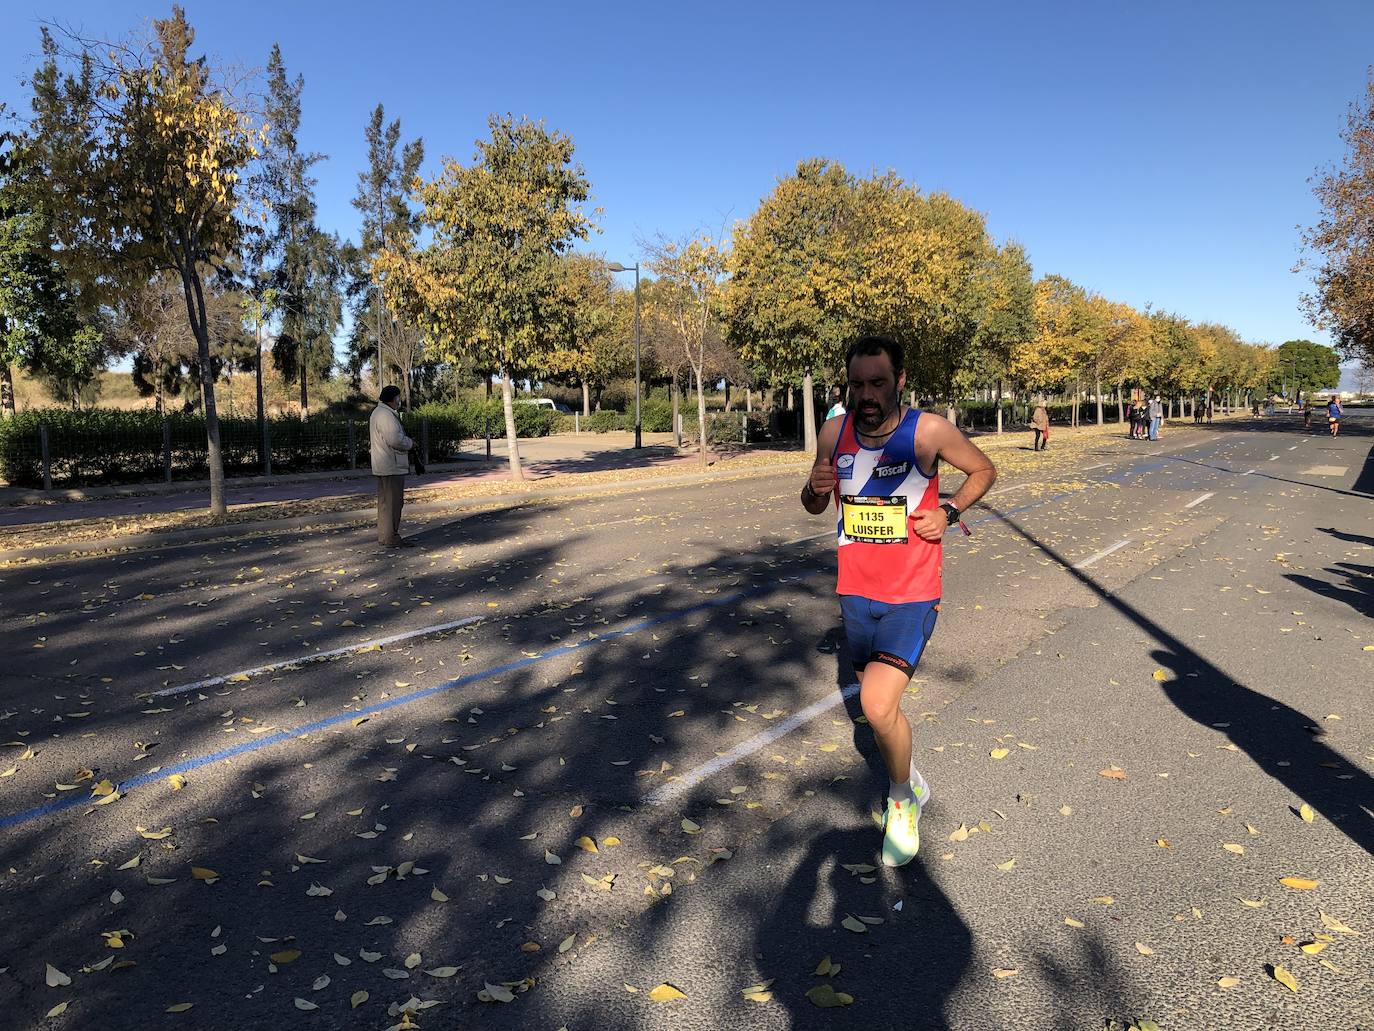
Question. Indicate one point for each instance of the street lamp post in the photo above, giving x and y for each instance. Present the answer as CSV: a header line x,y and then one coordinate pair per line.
x,y
615,266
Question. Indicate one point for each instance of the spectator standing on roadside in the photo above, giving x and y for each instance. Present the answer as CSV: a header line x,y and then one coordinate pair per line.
x,y
1156,416
1209,407
1040,424
836,403
1333,415
390,463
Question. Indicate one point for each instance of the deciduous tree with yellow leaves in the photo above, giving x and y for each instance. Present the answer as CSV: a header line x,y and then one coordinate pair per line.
x,y
489,284
158,189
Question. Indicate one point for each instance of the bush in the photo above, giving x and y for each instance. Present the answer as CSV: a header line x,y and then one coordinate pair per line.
x,y
726,427
656,415
604,422
106,446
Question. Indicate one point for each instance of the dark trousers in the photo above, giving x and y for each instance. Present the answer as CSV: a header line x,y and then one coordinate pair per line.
x,y
1042,438
391,491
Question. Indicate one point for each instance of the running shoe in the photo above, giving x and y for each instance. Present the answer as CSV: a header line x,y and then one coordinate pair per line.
x,y
902,825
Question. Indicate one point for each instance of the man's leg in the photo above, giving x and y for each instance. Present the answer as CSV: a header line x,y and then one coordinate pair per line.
x,y
400,503
383,513
388,508
880,696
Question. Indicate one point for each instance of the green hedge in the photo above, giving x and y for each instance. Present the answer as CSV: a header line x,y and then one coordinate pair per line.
x,y
105,446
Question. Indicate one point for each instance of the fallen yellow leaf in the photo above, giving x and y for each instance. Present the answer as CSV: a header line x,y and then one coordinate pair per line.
x,y
1284,978
665,993
825,996
1001,972
1000,753
1228,982
1300,883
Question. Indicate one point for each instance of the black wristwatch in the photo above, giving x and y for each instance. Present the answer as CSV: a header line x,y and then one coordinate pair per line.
x,y
951,513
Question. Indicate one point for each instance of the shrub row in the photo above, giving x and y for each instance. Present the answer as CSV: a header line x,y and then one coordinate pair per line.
x,y
105,446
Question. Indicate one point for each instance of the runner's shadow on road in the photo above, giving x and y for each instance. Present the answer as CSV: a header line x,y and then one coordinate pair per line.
x,y
1266,730
902,973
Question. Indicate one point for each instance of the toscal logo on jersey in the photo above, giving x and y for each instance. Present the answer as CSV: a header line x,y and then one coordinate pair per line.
x,y
893,469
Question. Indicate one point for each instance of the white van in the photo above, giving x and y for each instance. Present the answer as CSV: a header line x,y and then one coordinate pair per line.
x,y
545,402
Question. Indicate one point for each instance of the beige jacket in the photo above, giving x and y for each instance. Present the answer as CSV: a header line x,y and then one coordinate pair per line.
x,y
1041,419
389,443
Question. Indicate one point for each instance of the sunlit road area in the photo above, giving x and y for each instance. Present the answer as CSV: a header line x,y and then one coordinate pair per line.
x,y
593,763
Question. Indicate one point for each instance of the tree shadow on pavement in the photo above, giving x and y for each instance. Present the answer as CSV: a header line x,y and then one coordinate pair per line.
x,y
1266,730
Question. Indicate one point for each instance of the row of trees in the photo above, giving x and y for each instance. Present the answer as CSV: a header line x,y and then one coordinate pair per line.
x,y
155,206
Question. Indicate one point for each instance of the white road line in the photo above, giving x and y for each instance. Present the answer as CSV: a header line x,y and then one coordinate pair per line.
x,y
1099,465
1102,554
1273,458
306,660
1198,501
1293,448
688,781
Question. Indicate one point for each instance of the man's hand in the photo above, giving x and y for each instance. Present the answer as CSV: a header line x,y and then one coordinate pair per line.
x,y
822,480
930,524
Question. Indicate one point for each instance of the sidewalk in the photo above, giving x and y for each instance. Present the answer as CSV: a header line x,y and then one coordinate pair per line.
x,y
293,498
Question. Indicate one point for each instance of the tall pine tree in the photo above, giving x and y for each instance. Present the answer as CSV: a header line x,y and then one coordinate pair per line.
x,y
298,261
383,200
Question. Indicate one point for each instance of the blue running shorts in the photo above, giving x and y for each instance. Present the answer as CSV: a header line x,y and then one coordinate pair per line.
x,y
892,634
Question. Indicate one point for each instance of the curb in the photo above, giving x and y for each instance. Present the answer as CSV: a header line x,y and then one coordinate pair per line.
x,y
364,515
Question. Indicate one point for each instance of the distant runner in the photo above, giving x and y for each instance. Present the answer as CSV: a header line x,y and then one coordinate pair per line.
x,y
836,403
881,464
1333,415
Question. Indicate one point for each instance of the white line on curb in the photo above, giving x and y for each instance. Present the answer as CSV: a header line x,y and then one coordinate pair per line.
x,y
688,781
1102,554
314,657
1293,448
1099,465
1273,458
1198,501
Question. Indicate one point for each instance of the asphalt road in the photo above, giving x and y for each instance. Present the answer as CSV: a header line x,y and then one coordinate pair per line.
x,y
380,817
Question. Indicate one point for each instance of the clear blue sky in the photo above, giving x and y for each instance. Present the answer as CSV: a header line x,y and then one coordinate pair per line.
x,y
1156,152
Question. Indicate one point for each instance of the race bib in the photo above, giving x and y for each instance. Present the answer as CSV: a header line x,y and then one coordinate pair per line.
x,y
874,520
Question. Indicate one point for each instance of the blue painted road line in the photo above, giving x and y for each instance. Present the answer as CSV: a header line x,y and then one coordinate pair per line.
x,y
63,804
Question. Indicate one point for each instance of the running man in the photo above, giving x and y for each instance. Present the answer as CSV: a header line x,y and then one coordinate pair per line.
x,y
1333,415
880,462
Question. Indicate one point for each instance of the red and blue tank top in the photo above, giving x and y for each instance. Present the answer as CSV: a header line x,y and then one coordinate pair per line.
x,y
878,490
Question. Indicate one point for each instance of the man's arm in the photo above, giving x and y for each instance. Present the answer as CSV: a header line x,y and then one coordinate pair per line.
x,y
952,446
395,435
820,484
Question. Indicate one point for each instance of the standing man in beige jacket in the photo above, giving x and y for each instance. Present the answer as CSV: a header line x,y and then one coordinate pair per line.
x,y
390,463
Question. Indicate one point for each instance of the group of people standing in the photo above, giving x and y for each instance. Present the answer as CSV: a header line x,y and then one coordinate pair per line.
x,y
1146,417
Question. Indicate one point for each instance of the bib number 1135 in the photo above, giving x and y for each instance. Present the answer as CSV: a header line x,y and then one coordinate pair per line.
x,y
875,520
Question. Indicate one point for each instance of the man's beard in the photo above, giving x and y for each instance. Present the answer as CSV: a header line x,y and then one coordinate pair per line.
x,y
870,415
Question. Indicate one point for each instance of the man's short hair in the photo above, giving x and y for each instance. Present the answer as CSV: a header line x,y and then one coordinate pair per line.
x,y
868,346
390,393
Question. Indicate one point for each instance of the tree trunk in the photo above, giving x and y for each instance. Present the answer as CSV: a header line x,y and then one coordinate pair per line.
x,y
677,425
1076,392
1120,404
809,413
488,382
1100,419
305,391
701,419
999,406
6,388
586,399
512,443
749,399
728,399
262,415
195,310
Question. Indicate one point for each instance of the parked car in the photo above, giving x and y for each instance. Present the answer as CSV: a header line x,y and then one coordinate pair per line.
x,y
545,402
